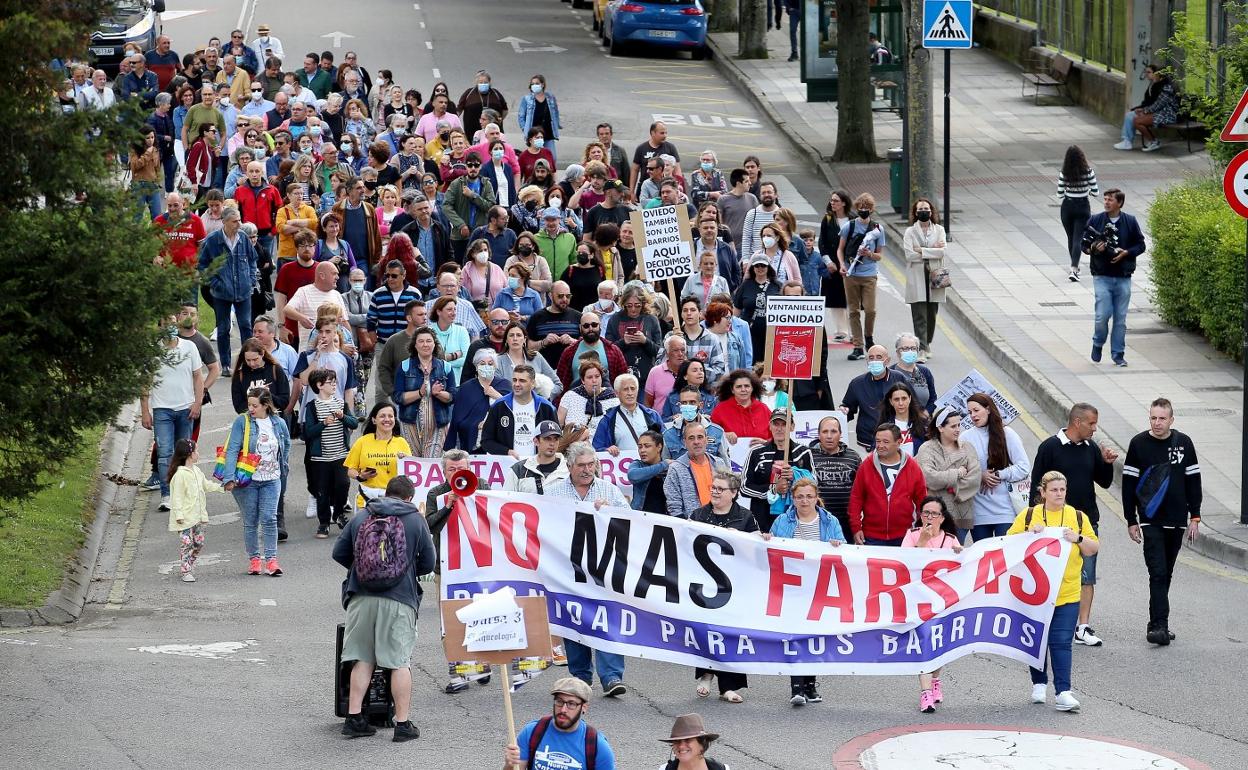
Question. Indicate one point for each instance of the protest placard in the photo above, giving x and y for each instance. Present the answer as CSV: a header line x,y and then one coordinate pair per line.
x,y
794,338
664,243
972,383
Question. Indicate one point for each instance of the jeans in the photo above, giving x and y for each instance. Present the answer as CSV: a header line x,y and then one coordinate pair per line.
x,y
1113,295
860,295
170,166
550,145
147,194
1087,575
1075,215
258,504
1128,126
1061,639
1161,550
985,531
242,309
168,425
610,665
795,21
895,542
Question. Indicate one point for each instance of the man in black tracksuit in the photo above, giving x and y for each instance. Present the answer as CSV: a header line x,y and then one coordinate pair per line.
x,y
1160,518
1084,464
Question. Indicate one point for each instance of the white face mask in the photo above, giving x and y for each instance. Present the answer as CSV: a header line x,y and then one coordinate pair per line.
x,y
768,241
481,257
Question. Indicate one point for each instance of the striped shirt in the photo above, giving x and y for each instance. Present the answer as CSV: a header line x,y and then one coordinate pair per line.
x,y
1079,188
333,438
807,530
385,313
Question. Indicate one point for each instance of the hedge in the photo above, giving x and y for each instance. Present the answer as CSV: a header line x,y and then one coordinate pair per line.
x,y
1198,262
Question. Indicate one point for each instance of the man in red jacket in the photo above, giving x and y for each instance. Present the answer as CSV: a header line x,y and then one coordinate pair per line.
x,y
258,202
887,492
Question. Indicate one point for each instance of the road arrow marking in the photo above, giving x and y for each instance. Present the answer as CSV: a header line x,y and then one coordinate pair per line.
x,y
517,46
337,36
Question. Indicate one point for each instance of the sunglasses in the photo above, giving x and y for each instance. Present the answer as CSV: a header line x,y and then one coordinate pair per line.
x,y
472,165
496,322
590,326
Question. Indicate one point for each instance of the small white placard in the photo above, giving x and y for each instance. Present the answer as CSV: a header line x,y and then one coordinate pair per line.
x,y
493,622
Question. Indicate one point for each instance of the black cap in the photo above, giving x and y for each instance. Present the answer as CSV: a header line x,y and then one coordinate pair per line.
x,y
548,428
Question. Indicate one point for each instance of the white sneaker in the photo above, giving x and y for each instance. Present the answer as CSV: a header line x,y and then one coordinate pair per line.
x,y
164,503
311,511
1074,275
213,336
1039,693
1124,145
1065,701
1153,145
1085,635
188,577
797,700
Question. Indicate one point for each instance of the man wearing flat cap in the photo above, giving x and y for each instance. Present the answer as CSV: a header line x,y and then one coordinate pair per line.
x,y
563,739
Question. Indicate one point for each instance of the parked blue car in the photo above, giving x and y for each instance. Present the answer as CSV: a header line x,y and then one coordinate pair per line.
x,y
677,24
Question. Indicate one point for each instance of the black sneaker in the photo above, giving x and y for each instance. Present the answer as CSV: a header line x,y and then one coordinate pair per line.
x,y
1158,635
1096,354
357,726
614,688
282,536
857,354
870,343
812,695
405,731
455,685
483,681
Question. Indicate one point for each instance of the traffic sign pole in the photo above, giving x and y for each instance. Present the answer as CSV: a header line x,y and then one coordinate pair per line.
x,y
1235,188
947,220
947,24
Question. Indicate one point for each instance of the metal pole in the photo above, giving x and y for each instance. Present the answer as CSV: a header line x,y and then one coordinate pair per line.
x,y
1243,463
945,196
1087,23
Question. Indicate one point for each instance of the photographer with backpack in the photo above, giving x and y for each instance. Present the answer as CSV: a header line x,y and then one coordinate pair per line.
x,y
384,549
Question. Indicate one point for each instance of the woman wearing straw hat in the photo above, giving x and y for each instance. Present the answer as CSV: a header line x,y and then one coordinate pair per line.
x,y
690,741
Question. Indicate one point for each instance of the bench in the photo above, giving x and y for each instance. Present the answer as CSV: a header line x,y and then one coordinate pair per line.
x,y
1042,72
1186,127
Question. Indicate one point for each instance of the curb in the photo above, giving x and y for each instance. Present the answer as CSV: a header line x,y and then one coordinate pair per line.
x,y
65,604
1052,401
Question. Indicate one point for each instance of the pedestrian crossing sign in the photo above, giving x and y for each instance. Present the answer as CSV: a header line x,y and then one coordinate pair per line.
x,y
947,23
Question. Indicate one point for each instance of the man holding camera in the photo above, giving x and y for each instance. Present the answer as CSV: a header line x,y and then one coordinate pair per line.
x,y
1113,240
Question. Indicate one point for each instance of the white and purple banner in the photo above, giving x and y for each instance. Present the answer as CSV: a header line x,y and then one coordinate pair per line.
x,y
426,473
650,586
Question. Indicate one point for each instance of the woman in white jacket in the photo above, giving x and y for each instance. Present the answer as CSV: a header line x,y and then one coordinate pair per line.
x,y
924,245
1004,468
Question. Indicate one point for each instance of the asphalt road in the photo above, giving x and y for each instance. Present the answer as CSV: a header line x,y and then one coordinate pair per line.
x,y
236,671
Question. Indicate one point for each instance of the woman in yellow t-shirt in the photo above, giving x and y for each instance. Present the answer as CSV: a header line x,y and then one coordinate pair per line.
x,y
1076,528
374,457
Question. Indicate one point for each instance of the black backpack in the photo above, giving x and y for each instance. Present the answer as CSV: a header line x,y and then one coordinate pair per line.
x,y
591,742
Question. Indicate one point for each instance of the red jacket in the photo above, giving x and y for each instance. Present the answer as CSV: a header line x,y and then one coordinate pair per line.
x,y
258,205
883,516
616,363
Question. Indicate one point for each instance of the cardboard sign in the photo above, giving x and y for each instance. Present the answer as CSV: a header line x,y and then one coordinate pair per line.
x,y
971,384
794,338
536,629
664,243
493,622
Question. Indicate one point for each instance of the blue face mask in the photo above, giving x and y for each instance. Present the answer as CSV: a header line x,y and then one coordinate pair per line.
x,y
708,167
909,356
536,88
688,412
539,143
496,154
513,282
876,368
483,88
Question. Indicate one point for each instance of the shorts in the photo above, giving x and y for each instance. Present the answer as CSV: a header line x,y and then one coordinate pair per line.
x,y
1088,576
380,631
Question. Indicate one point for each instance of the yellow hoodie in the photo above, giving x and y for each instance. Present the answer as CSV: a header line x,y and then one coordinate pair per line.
x,y
188,497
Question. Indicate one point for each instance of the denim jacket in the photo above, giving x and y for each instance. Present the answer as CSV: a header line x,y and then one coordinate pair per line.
x,y
410,377
528,106
230,274
235,443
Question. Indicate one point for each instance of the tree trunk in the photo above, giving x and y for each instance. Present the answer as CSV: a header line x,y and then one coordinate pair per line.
x,y
855,127
752,30
919,114
723,15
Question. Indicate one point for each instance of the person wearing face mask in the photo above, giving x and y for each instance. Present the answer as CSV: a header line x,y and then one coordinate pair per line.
x,y
540,110
924,245
479,389
756,219
519,301
257,105
497,235
526,212
918,376
751,298
706,184
534,150
483,279
479,97
859,252
583,276
865,393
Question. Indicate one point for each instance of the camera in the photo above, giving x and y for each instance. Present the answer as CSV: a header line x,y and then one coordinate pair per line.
x,y
1104,241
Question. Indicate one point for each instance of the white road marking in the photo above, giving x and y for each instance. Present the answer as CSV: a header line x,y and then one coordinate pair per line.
x,y
223,518
268,602
416,6
211,651
437,73
422,25
790,198
205,560
175,15
429,45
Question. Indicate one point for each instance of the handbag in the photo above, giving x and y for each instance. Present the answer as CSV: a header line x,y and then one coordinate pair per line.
x,y
1019,498
246,464
939,278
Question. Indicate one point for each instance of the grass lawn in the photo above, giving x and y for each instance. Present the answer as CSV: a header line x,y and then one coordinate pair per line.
x,y
39,535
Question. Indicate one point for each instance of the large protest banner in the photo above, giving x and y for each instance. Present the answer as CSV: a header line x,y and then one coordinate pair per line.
x,y
426,472
652,586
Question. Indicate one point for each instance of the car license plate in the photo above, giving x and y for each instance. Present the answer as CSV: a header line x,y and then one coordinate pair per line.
x,y
102,50
662,33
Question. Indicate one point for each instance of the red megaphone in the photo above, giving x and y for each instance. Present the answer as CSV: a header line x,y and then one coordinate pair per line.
x,y
463,482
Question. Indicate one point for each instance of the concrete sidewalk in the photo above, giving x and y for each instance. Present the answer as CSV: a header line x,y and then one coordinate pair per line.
x,y
1009,259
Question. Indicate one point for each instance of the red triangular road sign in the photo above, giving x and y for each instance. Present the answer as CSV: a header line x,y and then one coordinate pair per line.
x,y
1236,128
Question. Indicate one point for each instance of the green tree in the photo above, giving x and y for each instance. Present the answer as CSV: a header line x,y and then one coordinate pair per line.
x,y
1213,77
80,300
752,30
